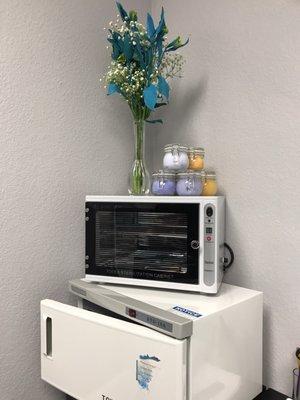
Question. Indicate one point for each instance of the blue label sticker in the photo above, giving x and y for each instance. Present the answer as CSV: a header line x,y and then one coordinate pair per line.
x,y
145,367
187,311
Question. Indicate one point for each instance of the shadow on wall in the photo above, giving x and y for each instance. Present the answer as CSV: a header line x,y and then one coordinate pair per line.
x,y
192,98
246,280
184,107
267,348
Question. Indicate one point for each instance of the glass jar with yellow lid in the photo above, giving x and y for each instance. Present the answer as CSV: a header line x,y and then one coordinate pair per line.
x,y
196,158
210,187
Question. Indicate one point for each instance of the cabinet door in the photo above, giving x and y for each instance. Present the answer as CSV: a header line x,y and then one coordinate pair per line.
x,y
91,356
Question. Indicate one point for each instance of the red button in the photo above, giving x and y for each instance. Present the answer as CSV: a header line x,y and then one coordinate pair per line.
x,y
132,313
208,238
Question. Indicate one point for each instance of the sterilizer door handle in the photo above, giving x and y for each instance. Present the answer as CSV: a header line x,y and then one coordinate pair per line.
x,y
145,314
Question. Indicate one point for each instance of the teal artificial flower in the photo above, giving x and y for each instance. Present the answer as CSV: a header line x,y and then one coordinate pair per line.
x,y
142,62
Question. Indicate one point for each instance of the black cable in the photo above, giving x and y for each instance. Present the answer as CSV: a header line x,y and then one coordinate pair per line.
x,y
226,266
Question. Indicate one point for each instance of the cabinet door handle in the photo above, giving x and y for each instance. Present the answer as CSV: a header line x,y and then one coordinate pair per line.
x,y
47,321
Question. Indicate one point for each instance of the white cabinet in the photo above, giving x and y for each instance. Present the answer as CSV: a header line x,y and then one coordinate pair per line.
x,y
211,348
89,355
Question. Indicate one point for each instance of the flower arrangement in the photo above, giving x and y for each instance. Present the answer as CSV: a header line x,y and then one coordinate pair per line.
x,y
142,63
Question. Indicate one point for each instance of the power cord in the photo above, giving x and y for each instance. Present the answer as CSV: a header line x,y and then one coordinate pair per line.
x,y
227,263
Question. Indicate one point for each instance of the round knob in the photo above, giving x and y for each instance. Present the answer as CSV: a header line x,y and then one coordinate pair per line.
x,y
195,244
209,211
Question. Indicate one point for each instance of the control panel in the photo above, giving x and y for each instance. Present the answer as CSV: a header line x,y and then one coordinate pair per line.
x,y
209,244
149,319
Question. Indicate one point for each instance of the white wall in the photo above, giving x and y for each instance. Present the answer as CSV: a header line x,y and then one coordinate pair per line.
x,y
240,99
61,138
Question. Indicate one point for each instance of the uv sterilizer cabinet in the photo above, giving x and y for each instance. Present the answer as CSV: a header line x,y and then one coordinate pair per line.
x,y
125,343
156,241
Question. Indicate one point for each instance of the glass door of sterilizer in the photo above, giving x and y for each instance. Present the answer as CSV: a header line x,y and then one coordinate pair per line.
x,y
148,241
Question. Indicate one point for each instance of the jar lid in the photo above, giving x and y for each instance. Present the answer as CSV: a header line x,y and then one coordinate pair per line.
x,y
163,174
210,175
175,146
196,150
190,173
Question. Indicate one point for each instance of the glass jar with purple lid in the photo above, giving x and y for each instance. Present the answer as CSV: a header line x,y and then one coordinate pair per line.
x,y
163,183
189,183
175,158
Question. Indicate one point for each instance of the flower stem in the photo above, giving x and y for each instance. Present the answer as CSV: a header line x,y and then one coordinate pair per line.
x,y
139,139
139,179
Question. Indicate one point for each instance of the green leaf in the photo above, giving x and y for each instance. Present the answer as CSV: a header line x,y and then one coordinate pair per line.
x,y
122,59
176,44
128,48
149,61
116,51
160,48
112,88
139,53
150,26
123,13
154,121
163,87
162,25
117,44
157,105
150,96
133,15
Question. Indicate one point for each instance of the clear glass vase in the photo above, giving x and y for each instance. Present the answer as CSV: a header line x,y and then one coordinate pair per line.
x,y
139,182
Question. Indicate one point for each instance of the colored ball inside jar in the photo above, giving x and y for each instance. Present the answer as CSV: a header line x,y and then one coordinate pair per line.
x,y
189,184
210,187
175,158
163,184
196,158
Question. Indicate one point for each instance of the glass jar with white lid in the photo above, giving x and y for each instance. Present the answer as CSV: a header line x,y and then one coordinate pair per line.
x,y
189,183
175,158
163,183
